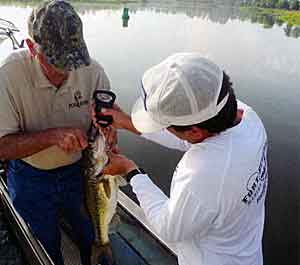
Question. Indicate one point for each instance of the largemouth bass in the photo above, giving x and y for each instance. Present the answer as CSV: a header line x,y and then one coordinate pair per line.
x,y
100,194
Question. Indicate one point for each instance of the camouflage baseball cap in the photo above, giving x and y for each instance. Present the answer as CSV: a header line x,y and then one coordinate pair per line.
x,y
57,28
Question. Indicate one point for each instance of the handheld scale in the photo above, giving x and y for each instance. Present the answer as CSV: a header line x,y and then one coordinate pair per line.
x,y
103,99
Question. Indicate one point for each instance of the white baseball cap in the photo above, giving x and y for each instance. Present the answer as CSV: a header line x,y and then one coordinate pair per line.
x,y
181,90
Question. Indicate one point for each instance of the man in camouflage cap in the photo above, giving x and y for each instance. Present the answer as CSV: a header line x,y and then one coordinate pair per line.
x,y
45,96
57,28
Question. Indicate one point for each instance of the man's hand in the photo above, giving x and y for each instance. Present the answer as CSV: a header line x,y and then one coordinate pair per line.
x,y
118,165
20,145
69,139
111,137
121,120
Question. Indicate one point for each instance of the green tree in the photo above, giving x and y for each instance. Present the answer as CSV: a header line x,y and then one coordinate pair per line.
x,y
288,29
279,21
294,5
271,3
267,21
260,3
295,32
283,4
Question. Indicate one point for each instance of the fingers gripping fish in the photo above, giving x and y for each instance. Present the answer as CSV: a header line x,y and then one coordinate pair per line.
x,y
100,194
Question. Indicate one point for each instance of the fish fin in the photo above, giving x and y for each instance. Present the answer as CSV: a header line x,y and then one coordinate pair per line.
x,y
102,254
106,187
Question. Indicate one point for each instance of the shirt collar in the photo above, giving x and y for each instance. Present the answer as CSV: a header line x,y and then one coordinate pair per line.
x,y
41,80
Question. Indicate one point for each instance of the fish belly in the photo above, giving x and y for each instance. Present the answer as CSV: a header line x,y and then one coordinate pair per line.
x,y
107,190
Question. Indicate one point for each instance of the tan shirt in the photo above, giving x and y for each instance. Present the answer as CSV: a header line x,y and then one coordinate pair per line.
x,y
30,103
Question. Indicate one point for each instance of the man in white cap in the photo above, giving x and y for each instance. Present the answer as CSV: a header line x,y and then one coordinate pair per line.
x,y
215,212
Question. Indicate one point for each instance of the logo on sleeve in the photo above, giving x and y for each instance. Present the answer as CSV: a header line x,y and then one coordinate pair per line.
x,y
79,101
258,181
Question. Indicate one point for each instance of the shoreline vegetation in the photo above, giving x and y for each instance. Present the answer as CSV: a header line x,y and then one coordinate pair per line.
x,y
283,11
278,4
292,18
264,12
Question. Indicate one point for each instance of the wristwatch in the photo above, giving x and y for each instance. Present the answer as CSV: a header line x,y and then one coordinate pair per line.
x,y
134,172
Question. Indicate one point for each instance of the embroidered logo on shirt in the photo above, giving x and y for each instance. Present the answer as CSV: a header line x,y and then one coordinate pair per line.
x,y
257,183
78,100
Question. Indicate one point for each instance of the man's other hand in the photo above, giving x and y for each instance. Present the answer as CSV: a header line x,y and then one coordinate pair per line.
x,y
121,120
111,137
69,139
118,165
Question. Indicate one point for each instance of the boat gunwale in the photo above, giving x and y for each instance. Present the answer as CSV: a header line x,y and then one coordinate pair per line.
x,y
134,210
34,251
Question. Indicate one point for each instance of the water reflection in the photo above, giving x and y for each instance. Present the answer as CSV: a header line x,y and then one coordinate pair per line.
x,y
214,11
219,13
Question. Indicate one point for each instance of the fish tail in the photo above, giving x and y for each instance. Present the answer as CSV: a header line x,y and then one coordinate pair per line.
x,y
102,254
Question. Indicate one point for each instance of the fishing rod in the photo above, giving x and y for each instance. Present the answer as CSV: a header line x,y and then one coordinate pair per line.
x,y
7,29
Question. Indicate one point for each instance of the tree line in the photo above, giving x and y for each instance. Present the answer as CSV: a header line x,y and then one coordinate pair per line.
x,y
281,4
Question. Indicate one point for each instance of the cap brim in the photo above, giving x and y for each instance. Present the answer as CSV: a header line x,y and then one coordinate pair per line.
x,y
78,56
73,57
142,121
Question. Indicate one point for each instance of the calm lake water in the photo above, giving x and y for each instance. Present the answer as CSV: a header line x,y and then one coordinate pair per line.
x,y
263,62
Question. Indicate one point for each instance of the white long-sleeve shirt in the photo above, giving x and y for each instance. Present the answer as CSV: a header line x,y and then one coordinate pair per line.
x,y
215,213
